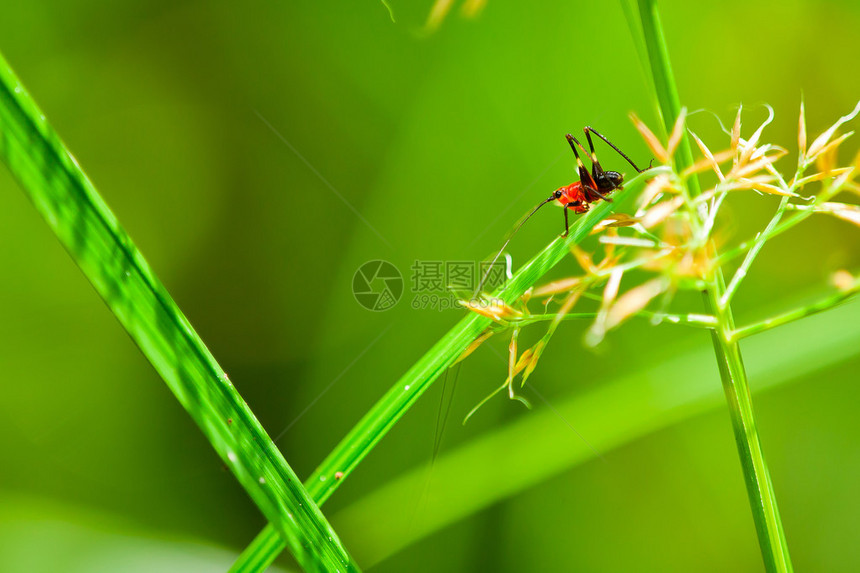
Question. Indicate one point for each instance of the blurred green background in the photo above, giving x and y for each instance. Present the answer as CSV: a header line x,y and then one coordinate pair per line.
x,y
440,141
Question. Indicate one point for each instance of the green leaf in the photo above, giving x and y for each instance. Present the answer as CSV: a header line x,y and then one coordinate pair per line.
x,y
102,249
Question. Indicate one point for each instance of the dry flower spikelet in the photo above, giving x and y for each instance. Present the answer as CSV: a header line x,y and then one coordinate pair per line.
x,y
736,134
661,211
844,211
658,185
709,160
653,142
634,301
820,141
749,146
493,308
801,133
561,285
677,133
844,281
474,345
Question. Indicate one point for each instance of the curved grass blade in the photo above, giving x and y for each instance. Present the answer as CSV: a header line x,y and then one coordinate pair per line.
x,y
376,423
535,448
104,252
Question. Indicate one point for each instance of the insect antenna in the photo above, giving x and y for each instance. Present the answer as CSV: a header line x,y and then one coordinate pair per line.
x,y
441,421
444,410
508,240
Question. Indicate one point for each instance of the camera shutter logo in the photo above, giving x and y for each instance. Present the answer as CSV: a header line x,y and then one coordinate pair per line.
x,y
377,285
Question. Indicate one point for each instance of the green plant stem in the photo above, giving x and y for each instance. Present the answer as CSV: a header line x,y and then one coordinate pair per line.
x,y
334,470
104,252
756,476
825,303
694,320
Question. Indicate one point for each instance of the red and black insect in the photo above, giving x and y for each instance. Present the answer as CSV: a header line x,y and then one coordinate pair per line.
x,y
591,187
579,195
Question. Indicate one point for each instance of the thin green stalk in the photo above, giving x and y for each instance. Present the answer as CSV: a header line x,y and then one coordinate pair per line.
x,y
771,229
800,213
743,269
664,83
778,229
756,476
762,498
826,303
694,320
102,249
260,553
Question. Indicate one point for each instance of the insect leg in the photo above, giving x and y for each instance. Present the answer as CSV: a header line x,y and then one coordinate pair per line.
x,y
589,130
599,194
588,180
568,206
596,169
566,224
585,177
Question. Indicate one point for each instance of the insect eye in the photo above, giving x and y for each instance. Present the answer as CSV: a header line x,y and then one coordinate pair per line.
x,y
557,193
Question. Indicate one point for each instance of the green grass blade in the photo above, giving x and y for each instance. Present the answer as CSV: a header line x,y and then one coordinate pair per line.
x,y
631,14
734,378
104,252
508,460
376,423
664,81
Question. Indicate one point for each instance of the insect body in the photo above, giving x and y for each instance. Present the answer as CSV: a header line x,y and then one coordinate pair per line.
x,y
592,186
572,197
